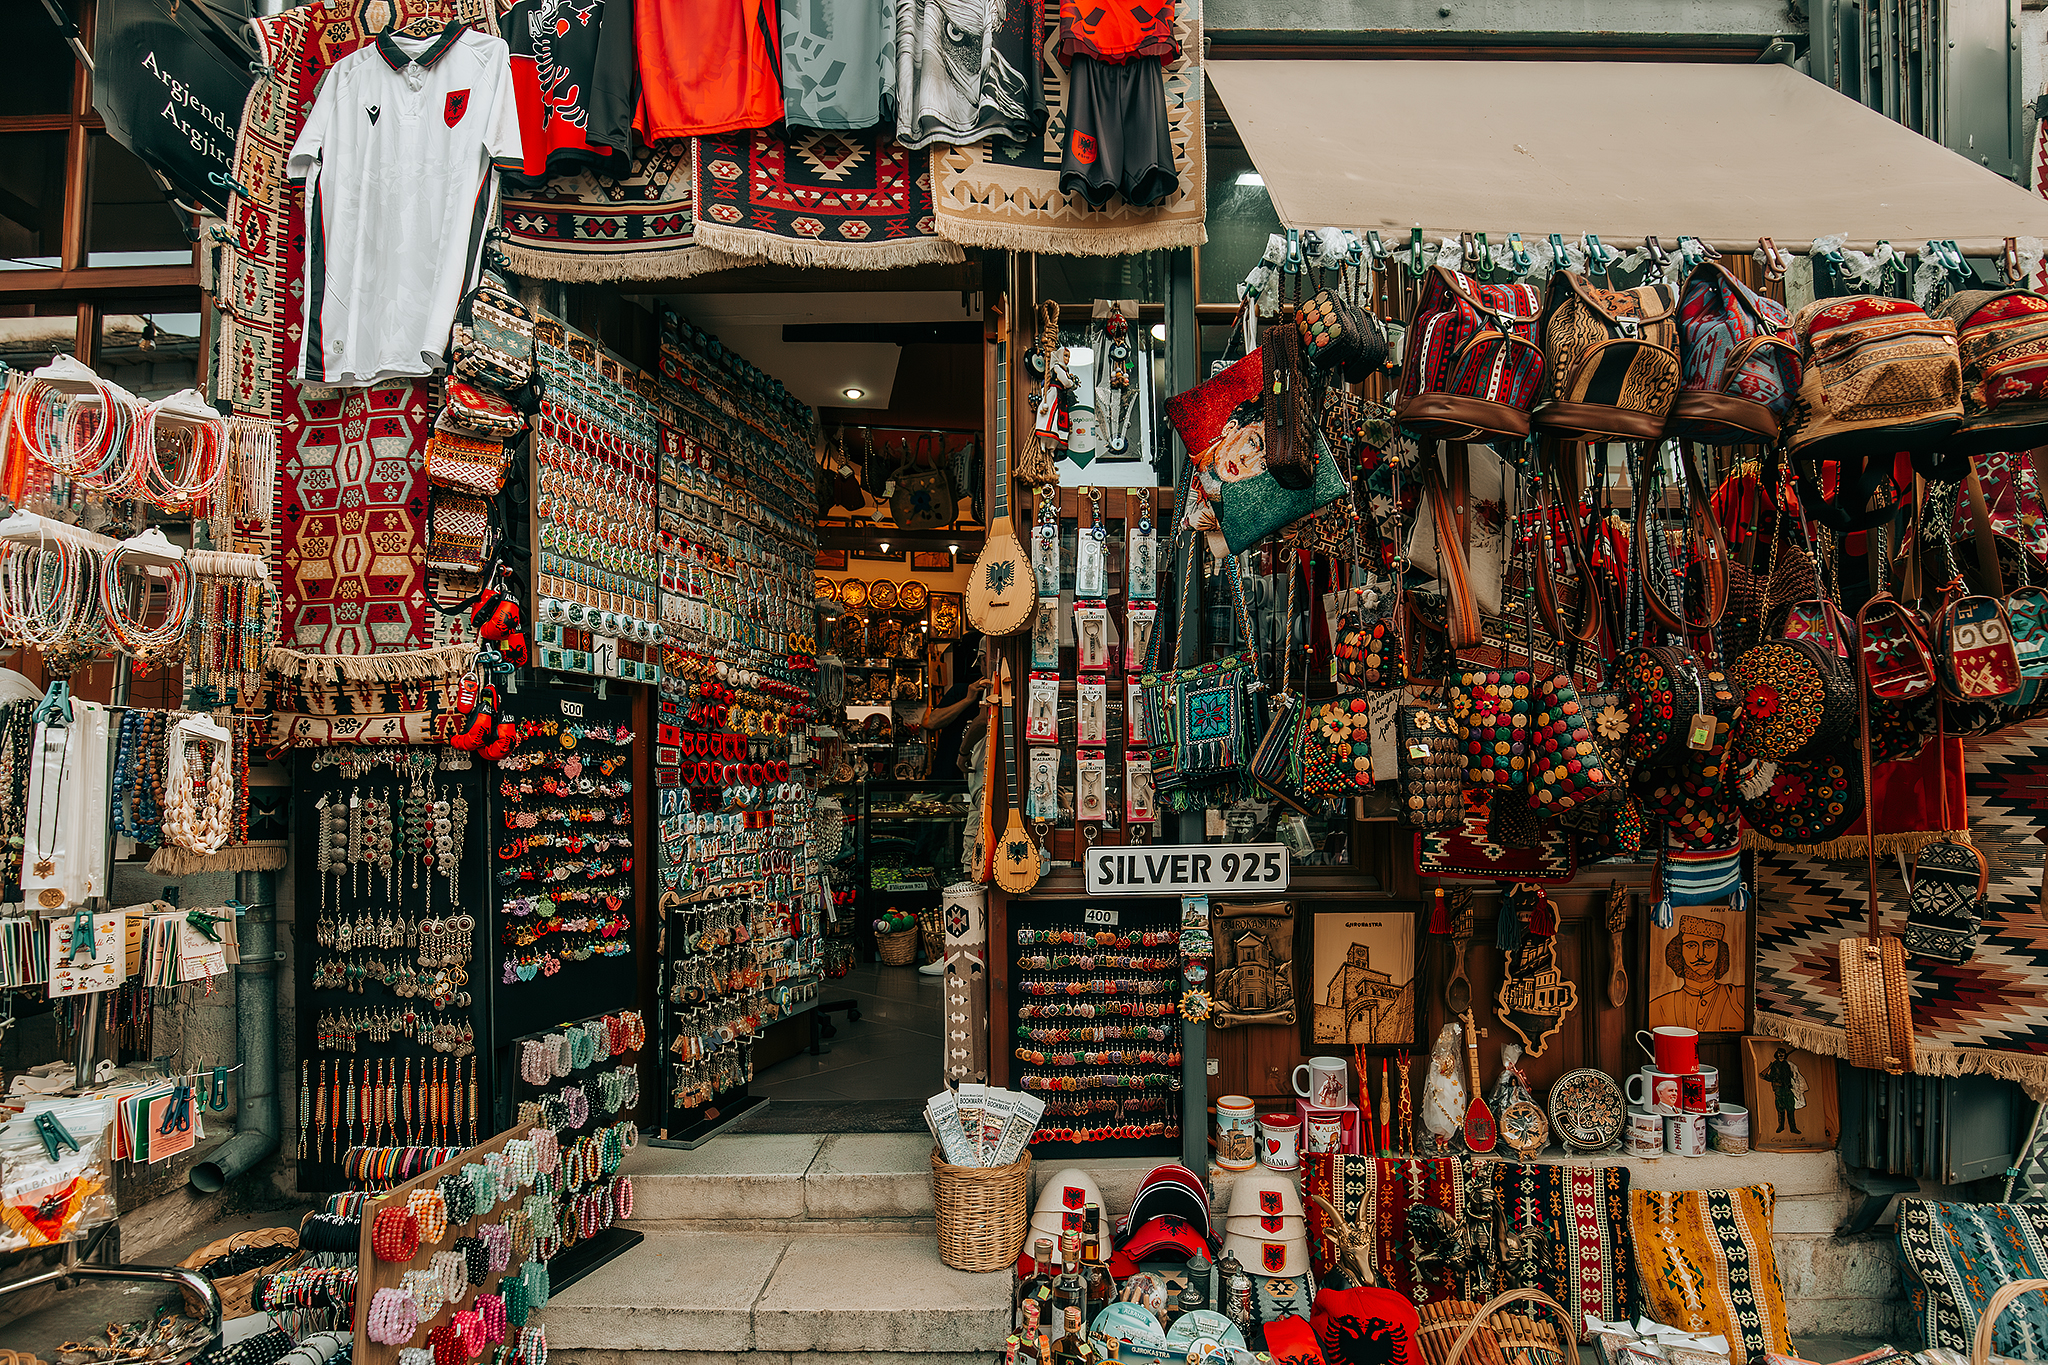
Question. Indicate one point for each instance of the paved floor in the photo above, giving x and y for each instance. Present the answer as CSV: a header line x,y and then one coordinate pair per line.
x,y
891,1054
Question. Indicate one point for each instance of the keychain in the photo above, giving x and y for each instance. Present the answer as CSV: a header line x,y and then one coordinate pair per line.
x,y
1089,783
1091,712
1045,545
1041,722
1045,635
1091,562
1141,570
1139,619
1042,802
1137,725
1091,636
1138,788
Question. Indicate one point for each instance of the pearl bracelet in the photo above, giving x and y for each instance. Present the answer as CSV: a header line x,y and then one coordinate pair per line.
x,y
393,1318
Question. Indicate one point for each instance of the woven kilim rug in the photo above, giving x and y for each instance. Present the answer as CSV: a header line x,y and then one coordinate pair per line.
x,y
641,226
999,194
818,197
1428,1221
1986,1016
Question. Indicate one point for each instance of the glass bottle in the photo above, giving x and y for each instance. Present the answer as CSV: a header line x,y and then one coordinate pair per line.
x,y
1101,1284
1074,1347
1201,1278
1069,1288
1037,1286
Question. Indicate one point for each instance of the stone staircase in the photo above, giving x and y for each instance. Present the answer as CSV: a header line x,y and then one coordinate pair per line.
x,y
820,1250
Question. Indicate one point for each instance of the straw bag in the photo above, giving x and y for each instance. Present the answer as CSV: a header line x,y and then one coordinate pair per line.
x,y
1457,1330
1877,1003
237,1291
2001,1299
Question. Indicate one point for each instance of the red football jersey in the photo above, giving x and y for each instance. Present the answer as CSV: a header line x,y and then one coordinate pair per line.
x,y
707,66
1116,30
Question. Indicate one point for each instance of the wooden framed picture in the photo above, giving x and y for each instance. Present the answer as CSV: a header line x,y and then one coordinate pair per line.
x,y
931,561
1697,972
832,559
1793,1106
1362,978
888,557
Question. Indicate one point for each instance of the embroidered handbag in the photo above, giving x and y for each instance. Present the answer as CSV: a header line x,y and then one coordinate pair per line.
x,y
1896,664
1336,747
476,412
1705,876
458,532
1367,645
1493,709
1571,767
1878,376
2002,345
1432,770
1202,719
1946,904
1251,509
466,464
922,499
493,339
1797,697
1470,369
1609,364
1973,650
1802,804
1740,367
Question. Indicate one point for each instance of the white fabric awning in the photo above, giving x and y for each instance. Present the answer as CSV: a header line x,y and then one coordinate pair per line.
x,y
1619,149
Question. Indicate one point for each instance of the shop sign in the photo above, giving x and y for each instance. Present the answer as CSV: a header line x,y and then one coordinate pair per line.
x,y
171,88
1184,869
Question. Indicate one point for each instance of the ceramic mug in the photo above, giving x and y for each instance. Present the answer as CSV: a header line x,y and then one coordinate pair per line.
x,y
1672,1049
1686,1134
1237,1133
1328,1085
1280,1142
1729,1129
1645,1134
1662,1092
1323,1133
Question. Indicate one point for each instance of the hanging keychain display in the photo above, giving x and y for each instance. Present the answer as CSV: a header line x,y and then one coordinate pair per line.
x,y
1045,544
1141,567
1091,786
1091,558
1041,717
1045,635
1091,711
1042,797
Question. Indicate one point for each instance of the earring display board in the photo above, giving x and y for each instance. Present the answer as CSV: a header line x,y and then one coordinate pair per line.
x,y
1095,1027
562,860
394,979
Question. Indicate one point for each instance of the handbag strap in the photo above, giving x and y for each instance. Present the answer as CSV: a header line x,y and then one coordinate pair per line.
x,y
1862,666
1461,614
1980,530
1703,535
1553,463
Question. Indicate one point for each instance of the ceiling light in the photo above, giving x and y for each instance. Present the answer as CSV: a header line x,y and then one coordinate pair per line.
x,y
952,549
855,394
1250,178
1159,331
885,547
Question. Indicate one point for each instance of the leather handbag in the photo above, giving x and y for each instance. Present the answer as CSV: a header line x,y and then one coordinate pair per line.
x,y
1432,772
1740,367
1877,1002
1610,366
1292,441
1878,376
1471,370
2002,346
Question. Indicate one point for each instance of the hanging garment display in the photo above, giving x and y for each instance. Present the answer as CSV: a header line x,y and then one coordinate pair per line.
x,y
963,76
573,76
706,68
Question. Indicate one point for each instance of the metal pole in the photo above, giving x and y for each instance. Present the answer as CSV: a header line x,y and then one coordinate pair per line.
x,y
257,1127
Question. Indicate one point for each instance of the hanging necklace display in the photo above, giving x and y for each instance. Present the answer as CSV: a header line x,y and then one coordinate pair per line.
x,y
46,833
153,556
49,590
79,425
181,450
1116,383
198,821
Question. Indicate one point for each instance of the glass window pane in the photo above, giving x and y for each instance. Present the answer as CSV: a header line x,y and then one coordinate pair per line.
x,y
1240,218
129,221
152,355
39,67
29,342
31,200
1083,279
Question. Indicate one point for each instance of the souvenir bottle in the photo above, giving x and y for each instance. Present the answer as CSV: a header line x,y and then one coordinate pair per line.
x,y
1101,1285
1037,1286
1074,1348
1069,1288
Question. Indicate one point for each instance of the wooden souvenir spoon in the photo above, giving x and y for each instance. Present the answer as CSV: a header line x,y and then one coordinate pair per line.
x,y
1617,925
1479,1126
1458,990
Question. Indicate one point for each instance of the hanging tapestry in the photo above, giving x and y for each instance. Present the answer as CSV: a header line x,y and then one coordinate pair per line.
x,y
1708,1266
996,193
1987,1016
1957,1255
1466,850
1427,1228
352,497
817,197
1565,1231
584,229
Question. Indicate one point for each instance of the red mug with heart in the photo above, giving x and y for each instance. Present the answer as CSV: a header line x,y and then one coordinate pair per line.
x,y
1674,1050
1280,1142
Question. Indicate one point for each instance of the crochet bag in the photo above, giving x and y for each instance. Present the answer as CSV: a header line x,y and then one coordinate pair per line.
x,y
2002,344
493,339
1879,376
1609,363
1493,707
1471,370
1650,682
1740,367
1571,767
466,464
1336,747
1432,770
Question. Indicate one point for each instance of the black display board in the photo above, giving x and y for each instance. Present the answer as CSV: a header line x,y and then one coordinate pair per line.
x,y
1134,917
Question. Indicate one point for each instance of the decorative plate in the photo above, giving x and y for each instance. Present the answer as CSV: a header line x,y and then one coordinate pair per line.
x,y
882,594
1524,1128
1586,1109
854,592
912,596
826,589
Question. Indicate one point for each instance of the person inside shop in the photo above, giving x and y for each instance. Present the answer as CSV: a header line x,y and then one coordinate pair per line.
x,y
960,719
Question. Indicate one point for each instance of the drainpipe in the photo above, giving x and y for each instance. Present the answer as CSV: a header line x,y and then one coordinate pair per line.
x,y
256,1125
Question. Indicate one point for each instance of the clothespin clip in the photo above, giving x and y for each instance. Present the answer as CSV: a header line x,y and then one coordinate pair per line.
x,y
1519,255
81,940
1291,262
1596,258
204,923
1376,253
1416,265
1656,252
1354,250
55,707
2009,268
1961,272
1774,259
1484,270
1558,259
220,1089
54,1134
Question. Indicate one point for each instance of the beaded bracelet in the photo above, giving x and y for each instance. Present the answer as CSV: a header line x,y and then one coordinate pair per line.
x,y
513,1290
431,1211
490,1308
452,1274
561,1055
416,1355
497,1246
533,1346
634,1031
522,1161
424,1286
395,1235
622,1198
483,1187
393,1318
476,1258
457,1197
541,1212
447,1349
537,1290
547,1152
469,1332
522,1233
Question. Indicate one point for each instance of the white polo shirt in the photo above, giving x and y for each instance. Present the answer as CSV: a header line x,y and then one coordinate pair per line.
x,y
399,150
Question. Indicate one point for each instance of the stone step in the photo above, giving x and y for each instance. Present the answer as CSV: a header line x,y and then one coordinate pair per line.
x,y
699,1298
843,1181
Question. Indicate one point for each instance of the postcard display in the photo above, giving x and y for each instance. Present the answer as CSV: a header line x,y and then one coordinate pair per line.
x,y
741,890
396,977
1095,1024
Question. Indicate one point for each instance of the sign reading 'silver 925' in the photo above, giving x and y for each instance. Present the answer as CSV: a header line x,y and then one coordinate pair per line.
x,y
1185,869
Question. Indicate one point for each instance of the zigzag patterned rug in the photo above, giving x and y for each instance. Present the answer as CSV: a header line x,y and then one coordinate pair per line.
x,y
1986,1016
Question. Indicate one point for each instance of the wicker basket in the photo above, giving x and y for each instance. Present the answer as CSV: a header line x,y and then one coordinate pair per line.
x,y
932,924
236,1290
898,949
983,1212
